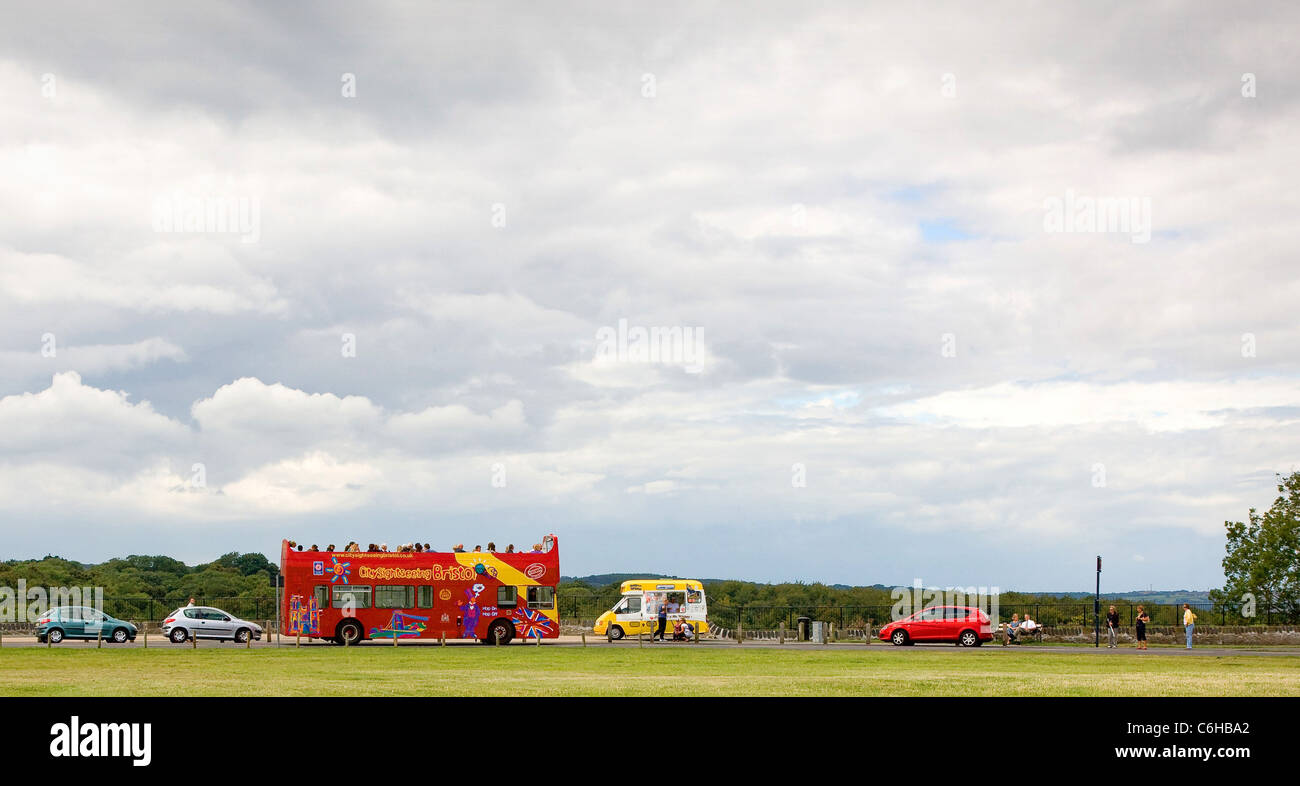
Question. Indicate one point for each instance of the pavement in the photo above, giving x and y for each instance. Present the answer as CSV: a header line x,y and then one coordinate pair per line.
x,y
159,642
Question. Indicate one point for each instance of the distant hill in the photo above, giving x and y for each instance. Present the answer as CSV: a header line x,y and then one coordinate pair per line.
x,y
1155,596
605,579
1149,596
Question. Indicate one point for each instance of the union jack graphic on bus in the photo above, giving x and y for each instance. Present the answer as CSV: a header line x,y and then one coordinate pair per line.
x,y
530,622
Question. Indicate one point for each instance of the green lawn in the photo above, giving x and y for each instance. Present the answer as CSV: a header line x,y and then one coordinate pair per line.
x,y
617,671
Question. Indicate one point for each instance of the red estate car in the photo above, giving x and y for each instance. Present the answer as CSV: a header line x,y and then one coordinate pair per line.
x,y
963,625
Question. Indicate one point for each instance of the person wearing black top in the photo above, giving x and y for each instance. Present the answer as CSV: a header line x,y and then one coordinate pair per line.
x,y
663,620
1112,628
1142,619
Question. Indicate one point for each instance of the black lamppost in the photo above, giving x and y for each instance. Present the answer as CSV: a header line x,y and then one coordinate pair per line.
x,y
1096,608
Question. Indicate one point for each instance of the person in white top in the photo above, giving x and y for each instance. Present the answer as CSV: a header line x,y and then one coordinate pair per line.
x,y
1027,625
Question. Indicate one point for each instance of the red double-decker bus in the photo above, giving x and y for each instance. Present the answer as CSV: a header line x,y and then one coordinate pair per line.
x,y
348,596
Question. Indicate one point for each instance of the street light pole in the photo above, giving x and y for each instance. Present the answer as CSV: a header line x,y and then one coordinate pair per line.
x,y
1096,608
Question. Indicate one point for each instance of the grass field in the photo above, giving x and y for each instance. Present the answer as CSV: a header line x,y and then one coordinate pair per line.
x,y
621,671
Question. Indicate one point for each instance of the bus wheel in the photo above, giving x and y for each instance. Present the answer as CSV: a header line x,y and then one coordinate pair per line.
x,y
349,632
615,632
502,631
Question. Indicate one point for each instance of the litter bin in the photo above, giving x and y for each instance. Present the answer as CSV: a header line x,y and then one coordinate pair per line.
x,y
818,632
802,628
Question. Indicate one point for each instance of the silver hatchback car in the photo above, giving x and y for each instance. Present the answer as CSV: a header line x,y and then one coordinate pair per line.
x,y
205,622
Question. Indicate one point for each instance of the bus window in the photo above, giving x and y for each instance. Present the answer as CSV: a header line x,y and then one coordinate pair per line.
x,y
425,597
541,597
322,595
394,597
355,594
507,595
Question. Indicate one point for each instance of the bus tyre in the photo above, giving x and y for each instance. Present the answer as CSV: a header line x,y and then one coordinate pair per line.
x,y
615,632
242,635
502,630
968,638
899,638
119,635
55,635
350,632
179,635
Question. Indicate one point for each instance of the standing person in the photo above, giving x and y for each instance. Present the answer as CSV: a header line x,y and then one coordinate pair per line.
x,y
663,620
1141,624
1189,623
1112,628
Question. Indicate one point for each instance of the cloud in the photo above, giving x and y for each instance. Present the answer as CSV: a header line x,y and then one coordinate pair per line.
x,y
862,247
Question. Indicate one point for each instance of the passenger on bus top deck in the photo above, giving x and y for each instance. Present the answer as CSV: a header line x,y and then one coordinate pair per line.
x,y
510,549
478,549
459,548
492,547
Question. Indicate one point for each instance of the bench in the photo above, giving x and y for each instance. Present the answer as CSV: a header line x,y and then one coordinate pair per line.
x,y
1036,634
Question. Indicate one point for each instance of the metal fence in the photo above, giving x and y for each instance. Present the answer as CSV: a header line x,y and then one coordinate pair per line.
x,y
1049,614
155,609
766,617
581,608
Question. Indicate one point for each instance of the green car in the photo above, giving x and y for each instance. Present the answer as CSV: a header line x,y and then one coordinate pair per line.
x,y
82,622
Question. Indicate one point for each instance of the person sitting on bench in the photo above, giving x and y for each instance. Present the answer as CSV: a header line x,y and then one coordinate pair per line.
x,y
1027,626
1012,628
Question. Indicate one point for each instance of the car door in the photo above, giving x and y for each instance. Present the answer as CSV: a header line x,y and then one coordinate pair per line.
x,y
927,626
202,624
70,619
627,614
92,623
219,624
951,624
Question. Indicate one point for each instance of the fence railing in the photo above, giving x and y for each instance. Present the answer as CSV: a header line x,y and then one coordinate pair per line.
x,y
756,616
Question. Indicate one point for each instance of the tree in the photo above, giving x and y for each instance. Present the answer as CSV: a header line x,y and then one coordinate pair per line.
x,y
1263,557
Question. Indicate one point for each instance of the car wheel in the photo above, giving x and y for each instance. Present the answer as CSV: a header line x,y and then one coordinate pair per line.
x,y
968,638
120,635
502,631
350,632
242,635
898,638
179,635
615,632
54,635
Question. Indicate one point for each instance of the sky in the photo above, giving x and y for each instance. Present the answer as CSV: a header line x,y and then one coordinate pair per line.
x,y
968,294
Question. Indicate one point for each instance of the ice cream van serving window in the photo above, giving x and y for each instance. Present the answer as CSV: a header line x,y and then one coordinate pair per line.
x,y
541,597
